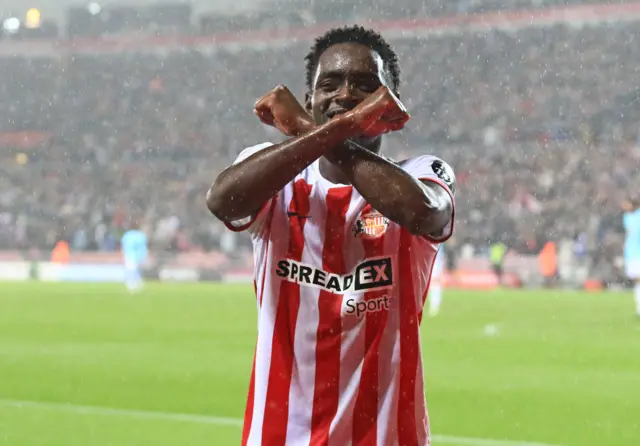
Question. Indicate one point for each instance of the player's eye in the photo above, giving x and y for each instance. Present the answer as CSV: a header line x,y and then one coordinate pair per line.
x,y
328,84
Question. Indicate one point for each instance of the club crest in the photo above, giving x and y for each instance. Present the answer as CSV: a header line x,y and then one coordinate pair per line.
x,y
371,225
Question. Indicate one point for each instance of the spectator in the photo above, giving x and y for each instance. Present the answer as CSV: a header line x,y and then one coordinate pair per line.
x,y
527,118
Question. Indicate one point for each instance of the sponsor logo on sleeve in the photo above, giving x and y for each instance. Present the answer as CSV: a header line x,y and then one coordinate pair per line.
x,y
445,173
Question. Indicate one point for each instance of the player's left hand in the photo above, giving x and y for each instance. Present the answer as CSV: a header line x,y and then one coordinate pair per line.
x,y
280,109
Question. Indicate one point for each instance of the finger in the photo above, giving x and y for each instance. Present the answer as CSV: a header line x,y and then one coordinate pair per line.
x,y
393,96
399,122
395,126
268,97
263,100
395,116
376,129
262,110
397,107
264,115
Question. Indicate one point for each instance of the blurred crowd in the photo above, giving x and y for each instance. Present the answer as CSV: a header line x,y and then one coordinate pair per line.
x,y
538,123
403,9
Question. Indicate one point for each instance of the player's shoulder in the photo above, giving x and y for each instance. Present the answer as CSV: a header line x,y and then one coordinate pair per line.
x,y
420,160
430,166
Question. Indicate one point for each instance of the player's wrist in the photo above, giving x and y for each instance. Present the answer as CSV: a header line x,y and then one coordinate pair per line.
x,y
341,128
304,125
350,124
344,155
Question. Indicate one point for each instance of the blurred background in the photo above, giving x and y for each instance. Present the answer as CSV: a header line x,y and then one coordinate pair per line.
x,y
113,112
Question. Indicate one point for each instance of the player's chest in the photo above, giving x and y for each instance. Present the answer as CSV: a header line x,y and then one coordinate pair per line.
x,y
331,225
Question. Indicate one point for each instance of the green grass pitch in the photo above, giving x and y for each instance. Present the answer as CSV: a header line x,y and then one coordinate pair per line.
x,y
90,365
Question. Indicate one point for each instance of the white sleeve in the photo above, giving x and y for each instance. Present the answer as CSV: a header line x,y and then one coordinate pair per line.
x,y
431,168
246,153
250,222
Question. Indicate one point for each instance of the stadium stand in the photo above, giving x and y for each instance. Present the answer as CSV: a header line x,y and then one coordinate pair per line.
x,y
536,111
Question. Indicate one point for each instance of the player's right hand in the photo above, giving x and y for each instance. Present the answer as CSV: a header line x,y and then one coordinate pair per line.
x,y
380,113
280,109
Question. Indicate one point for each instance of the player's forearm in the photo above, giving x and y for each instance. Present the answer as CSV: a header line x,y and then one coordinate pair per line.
x,y
420,208
240,190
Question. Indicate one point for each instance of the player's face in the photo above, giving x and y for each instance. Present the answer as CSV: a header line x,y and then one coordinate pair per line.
x,y
347,73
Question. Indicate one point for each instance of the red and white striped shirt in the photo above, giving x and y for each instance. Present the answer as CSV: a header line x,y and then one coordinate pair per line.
x,y
340,292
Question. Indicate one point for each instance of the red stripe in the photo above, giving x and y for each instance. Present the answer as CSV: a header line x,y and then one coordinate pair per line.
x,y
248,412
409,332
365,414
329,334
276,411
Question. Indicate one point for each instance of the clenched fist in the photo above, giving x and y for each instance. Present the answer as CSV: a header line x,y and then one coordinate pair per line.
x,y
380,113
280,109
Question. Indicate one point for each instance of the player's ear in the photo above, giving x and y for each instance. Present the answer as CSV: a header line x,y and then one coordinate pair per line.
x,y
307,102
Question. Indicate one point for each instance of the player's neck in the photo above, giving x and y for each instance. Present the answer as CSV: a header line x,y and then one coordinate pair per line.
x,y
334,174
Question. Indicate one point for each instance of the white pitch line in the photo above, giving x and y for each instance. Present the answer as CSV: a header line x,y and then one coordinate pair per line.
x,y
108,411
220,421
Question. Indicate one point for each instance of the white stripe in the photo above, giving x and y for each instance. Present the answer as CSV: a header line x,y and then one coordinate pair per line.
x,y
353,250
278,243
267,316
219,421
303,372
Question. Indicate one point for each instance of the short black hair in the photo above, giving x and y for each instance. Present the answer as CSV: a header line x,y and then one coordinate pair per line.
x,y
354,34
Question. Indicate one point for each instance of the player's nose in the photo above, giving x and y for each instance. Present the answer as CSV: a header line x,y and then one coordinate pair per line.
x,y
346,97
